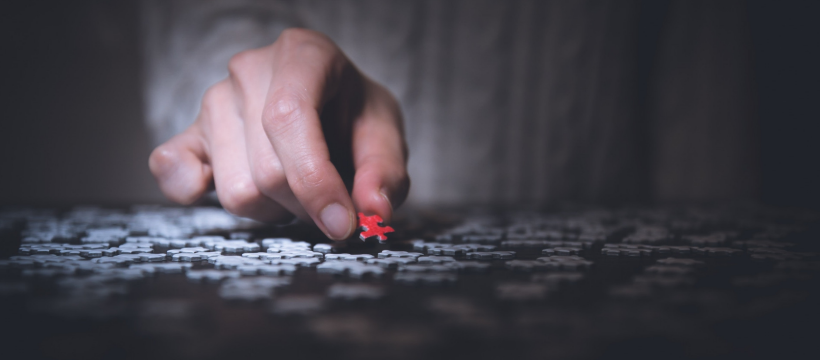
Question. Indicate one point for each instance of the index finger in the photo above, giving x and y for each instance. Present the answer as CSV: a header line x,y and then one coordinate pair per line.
x,y
305,74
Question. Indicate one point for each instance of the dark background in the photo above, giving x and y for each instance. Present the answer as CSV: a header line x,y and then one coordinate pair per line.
x,y
73,130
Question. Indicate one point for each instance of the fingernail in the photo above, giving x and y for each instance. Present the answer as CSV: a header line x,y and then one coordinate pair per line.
x,y
336,219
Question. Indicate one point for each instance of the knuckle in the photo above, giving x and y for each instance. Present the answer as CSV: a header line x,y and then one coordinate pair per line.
x,y
161,159
282,113
305,42
269,176
297,36
242,62
239,197
293,34
214,96
309,176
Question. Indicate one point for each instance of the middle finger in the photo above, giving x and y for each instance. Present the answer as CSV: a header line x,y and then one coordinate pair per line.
x,y
250,77
232,176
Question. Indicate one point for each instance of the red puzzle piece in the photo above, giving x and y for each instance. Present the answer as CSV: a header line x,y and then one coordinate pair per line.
x,y
371,226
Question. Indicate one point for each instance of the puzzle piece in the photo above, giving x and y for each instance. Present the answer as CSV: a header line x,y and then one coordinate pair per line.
x,y
298,305
525,265
211,275
420,278
303,262
491,255
571,263
371,227
292,254
399,254
390,263
434,260
348,257
521,291
471,266
354,269
251,289
557,278
355,292
425,268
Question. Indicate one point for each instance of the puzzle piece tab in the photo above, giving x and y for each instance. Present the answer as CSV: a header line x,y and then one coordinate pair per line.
x,y
371,226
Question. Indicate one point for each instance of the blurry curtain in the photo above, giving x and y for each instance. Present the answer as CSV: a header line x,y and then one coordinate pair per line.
x,y
522,102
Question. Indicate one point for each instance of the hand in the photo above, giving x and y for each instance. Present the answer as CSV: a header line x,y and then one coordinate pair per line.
x,y
293,126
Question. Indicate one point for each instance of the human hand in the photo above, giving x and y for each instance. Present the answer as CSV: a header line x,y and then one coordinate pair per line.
x,y
293,126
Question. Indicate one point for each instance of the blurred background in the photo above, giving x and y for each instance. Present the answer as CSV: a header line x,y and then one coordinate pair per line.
x,y
76,103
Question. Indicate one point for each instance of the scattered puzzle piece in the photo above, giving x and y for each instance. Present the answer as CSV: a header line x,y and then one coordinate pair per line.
x,y
371,227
